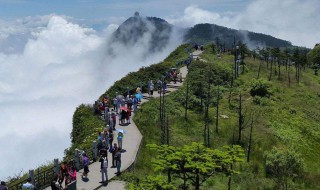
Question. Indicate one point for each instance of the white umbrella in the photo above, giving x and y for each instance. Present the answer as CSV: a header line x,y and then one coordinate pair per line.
x,y
121,131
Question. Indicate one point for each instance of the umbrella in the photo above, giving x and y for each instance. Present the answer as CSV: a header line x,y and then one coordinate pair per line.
x,y
124,108
121,131
139,96
120,97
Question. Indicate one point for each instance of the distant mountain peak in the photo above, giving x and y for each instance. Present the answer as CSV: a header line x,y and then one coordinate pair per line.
x,y
148,31
205,33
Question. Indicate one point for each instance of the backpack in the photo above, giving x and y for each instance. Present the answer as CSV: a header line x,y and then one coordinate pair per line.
x,y
110,135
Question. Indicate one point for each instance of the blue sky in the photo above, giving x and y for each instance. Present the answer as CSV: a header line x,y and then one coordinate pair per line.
x,y
95,9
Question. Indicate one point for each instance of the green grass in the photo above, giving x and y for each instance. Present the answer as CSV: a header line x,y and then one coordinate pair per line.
x,y
289,118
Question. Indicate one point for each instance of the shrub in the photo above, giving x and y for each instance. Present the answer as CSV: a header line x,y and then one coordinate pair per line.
x,y
261,88
283,166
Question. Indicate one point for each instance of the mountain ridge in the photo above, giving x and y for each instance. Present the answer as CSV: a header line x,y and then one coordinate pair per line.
x,y
136,29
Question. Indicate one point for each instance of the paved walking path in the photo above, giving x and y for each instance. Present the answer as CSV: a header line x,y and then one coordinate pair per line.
x,y
131,143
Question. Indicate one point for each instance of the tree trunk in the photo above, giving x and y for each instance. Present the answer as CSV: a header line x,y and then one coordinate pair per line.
x,y
229,180
270,71
197,182
187,99
240,118
279,71
259,69
250,141
217,112
289,73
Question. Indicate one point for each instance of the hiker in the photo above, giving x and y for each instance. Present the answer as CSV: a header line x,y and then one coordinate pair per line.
x,y
164,86
63,171
114,120
106,138
85,163
119,138
174,76
3,186
118,161
129,103
151,88
115,101
138,90
122,102
128,116
110,138
28,185
104,166
107,115
54,183
159,85
120,119
135,104
180,77
67,181
100,144
123,116
73,173
113,151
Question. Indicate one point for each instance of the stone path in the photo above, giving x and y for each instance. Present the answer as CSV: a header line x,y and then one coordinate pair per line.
x,y
131,143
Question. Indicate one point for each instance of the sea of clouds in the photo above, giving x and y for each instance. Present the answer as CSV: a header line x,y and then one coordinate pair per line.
x,y
48,66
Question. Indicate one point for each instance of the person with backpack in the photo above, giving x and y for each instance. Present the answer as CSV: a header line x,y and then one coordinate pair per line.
x,y
85,163
118,161
104,168
119,138
129,103
114,120
110,138
113,151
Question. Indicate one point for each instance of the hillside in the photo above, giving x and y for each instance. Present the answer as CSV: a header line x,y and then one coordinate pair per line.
x,y
205,33
286,119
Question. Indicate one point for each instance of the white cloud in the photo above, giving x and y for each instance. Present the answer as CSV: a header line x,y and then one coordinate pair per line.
x,y
60,66
194,15
292,20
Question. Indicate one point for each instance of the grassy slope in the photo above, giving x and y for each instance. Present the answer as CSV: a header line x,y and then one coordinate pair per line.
x,y
289,119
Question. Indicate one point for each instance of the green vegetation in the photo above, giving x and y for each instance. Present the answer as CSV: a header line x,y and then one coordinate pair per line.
x,y
191,164
281,113
284,166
